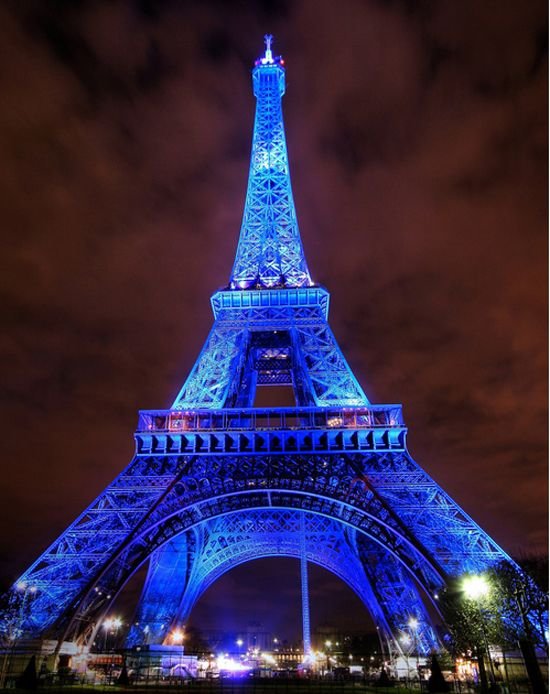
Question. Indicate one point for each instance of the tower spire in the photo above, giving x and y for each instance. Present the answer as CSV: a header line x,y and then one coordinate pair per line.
x,y
270,252
268,38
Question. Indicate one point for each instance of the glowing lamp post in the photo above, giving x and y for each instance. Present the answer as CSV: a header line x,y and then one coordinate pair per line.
x,y
413,626
407,643
112,624
107,624
177,637
117,623
476,588
328,645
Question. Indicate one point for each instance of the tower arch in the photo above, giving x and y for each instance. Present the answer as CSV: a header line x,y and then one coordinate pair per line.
x,y
393,566
233,539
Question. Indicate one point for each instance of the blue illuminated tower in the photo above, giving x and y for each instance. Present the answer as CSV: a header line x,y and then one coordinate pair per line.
x,y
216,482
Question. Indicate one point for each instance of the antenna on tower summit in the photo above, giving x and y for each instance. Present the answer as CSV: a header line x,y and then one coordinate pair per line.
x,y
268,38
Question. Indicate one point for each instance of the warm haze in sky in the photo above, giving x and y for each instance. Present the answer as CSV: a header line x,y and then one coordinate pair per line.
x,y
417,135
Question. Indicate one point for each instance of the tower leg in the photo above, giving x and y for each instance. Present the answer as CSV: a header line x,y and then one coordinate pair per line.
x,y
162,593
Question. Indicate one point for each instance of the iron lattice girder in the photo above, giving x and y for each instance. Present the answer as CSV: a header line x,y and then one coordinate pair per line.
x,y
270,250
236,538
222,366
229,507
197,488
396,594
170,569
231,540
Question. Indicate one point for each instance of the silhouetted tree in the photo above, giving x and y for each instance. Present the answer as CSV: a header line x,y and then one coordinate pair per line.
x,y
473,624
436,681
384,679
123,680
29,679
523,602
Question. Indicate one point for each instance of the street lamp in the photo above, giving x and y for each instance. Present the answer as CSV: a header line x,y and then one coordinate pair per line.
x,y
328,644
476,588
407,641
107,624
413,626
177,637
111,624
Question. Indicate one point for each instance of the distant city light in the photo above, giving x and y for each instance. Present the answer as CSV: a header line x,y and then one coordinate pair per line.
x,y
228,664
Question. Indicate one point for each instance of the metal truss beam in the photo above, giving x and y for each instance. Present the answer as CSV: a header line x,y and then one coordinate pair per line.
x,y
173,494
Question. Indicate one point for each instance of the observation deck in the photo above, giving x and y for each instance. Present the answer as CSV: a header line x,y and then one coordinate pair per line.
x,y
273,430
225,301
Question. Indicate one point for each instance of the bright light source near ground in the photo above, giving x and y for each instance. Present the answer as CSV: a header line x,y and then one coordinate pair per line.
x,y
475,587
177,637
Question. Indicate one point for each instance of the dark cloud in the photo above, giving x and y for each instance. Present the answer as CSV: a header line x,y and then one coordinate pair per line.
x,y
417,135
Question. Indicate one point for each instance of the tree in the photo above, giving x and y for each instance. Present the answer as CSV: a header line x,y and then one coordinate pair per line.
x,y
11,608
511,610
524,613
473,622
436,681
523,604
28,680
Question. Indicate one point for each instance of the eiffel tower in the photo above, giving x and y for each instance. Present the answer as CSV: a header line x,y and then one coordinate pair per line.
x,y
216,482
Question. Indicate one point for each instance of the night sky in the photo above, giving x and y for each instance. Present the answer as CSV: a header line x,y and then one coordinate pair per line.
x,y
417,136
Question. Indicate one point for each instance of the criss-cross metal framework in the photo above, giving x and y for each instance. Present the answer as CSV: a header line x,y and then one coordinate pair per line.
x,y
216,482
270,252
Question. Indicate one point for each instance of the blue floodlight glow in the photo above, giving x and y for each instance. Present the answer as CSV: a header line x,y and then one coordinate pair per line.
x,y
215,482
